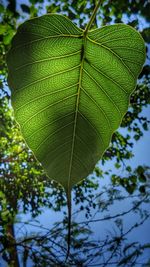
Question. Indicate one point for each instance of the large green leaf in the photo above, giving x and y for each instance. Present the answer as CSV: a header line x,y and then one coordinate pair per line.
x,y
70,90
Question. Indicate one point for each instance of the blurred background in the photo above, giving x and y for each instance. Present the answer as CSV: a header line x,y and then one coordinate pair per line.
x,y
110,209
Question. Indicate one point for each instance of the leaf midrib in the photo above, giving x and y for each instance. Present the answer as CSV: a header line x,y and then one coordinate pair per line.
x,y
77,108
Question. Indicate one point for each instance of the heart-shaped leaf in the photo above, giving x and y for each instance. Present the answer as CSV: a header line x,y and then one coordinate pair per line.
x,y
70,90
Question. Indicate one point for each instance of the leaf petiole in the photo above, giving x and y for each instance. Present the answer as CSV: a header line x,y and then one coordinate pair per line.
x,y
88,26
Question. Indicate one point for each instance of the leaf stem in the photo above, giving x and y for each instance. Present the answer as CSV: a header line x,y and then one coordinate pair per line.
x,y
69,223
88,26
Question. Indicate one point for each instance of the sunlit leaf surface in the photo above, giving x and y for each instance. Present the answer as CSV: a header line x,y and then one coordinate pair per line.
x,y
70,90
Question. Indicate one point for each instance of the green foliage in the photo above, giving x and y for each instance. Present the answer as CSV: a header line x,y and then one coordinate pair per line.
x,y
134,180
146,35
19,171
61,78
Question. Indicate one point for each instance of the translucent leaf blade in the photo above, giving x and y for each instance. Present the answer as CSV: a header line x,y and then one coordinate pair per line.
x,y
70,91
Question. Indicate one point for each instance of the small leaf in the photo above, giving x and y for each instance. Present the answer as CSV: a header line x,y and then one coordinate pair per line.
x,y
128,169
136,137
142,178
117,165
140,170
4,215
71,89
145,126
142,189
25,8
8,37
133,179
146,35
131,188
3,29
